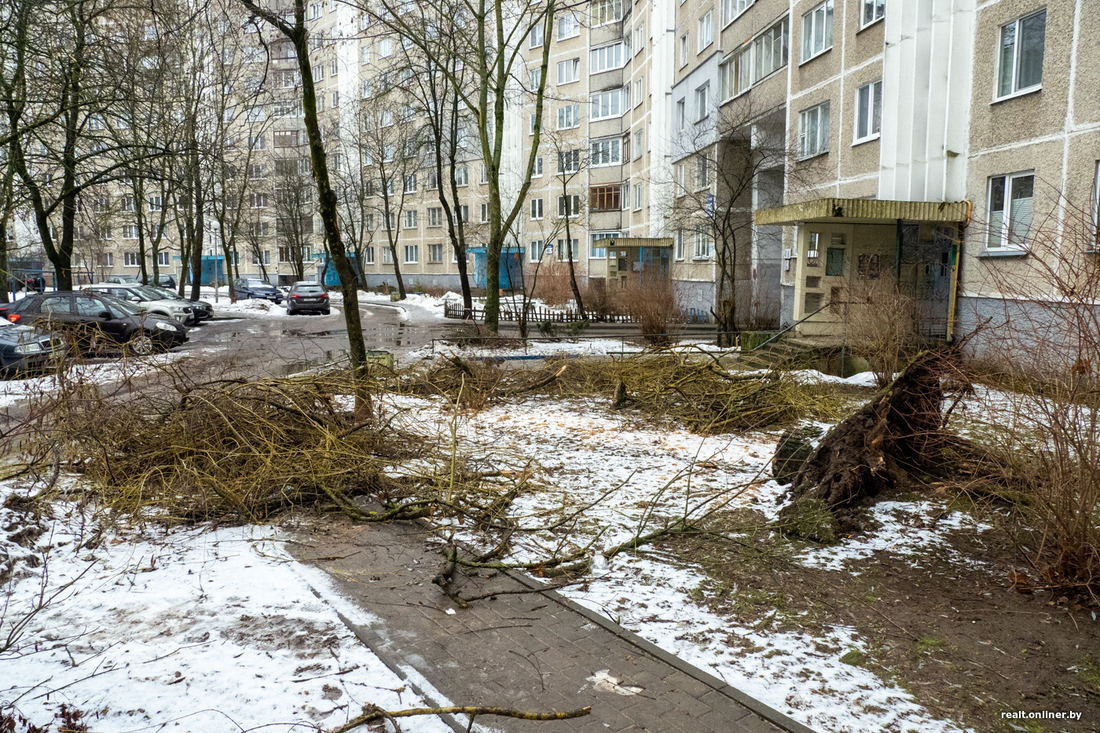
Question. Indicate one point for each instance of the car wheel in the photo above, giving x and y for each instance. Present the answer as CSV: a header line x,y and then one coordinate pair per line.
x,y
141,344
325,312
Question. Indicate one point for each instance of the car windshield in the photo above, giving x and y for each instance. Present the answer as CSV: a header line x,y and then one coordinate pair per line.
x,y
258,284
150,293
166,293
121,306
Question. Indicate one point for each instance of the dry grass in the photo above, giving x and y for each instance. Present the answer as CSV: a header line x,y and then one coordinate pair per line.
x,y
653,302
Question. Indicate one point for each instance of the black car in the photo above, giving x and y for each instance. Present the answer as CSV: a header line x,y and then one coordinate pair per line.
x,y
166,281
305,296
249,288
94,320
24,349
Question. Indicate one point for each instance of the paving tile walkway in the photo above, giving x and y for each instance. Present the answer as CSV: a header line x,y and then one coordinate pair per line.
x,y
528,651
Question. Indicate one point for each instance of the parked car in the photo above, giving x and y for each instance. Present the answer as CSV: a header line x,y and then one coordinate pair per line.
x,y
249,288
150,300
24,349
166,281
307,296
124,279
92,320
203,310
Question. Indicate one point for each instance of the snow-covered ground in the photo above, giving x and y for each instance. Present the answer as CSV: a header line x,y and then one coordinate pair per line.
x,y
218,628
585,451
195,629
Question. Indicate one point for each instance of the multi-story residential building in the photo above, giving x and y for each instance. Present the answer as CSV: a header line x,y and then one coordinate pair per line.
x,y
779,160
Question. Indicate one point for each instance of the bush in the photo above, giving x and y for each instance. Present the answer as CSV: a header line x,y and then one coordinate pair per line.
x,y
653,302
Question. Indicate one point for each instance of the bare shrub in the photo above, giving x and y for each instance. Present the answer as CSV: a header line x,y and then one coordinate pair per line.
x,y
653,302
553,287
1045,340
883,328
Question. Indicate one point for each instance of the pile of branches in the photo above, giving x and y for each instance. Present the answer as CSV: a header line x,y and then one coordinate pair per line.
x,y
696,392
228,449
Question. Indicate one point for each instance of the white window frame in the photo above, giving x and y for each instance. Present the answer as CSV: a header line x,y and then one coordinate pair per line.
x,y
1002,231
605,12
576,254
485,213
706,31
538,247
681,245
702,102
569,116
412,254
129,259
681,114
607,58
569,71
605,152
569,161
683,50
703,245
817,22
536,209
638,197
609,105
462,176
536,37
869,120
1013,63
820,144
873,11
575,209
412,219
568,26
731,9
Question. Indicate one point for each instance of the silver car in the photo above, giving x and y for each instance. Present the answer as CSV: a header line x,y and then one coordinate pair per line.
x,y
148,300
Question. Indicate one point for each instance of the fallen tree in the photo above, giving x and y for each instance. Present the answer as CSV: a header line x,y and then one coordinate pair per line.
x,y
895,439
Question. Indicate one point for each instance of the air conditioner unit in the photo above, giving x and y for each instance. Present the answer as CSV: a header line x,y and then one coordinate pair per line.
x,y
812,254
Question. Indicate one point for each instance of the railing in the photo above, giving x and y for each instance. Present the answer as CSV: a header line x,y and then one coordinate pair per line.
x,y
535,314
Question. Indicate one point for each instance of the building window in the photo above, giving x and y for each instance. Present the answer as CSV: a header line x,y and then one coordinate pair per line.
x,y
569,161
680,246
639,143
412,254
257,200
128,203
702,102
370,255
1095,245
606,58
257,171
607,197
130,259
600,253
536,209
387,256
410,183
569,206
639,90
569,249
1021,55
683,50
817,30
259,228
868,111
535,253
536,78
435,216
637,197
704,245
462,176
639,37
606,152
285,139
568,27
606,11
538,168
385,48
681,115
164,259
410,219
702,172
1010,200
706,31
107,259
435,254
813,131
681,169
537,35
872,10
770,50
485,213
155,203
607,105
732,8
569,71
569,116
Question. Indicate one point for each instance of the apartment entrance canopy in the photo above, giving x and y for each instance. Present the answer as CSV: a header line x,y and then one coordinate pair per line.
x,y
863,211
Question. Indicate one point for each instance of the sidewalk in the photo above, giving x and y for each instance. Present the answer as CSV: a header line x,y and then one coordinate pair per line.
x,y
535,652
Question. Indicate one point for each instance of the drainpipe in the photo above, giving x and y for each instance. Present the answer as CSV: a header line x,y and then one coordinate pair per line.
x,y
956,257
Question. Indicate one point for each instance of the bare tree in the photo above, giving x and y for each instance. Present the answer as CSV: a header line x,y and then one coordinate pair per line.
x,y
485,40
295,30
293,199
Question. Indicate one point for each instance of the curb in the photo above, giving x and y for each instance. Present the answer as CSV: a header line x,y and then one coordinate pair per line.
x,y
766,712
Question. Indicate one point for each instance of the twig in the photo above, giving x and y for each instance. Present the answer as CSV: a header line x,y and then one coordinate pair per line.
x,y
372,713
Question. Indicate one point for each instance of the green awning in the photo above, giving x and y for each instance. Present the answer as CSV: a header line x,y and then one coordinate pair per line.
x,y
863,211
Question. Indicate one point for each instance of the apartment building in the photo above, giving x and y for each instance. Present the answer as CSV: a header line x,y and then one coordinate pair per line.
x,y
782,162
